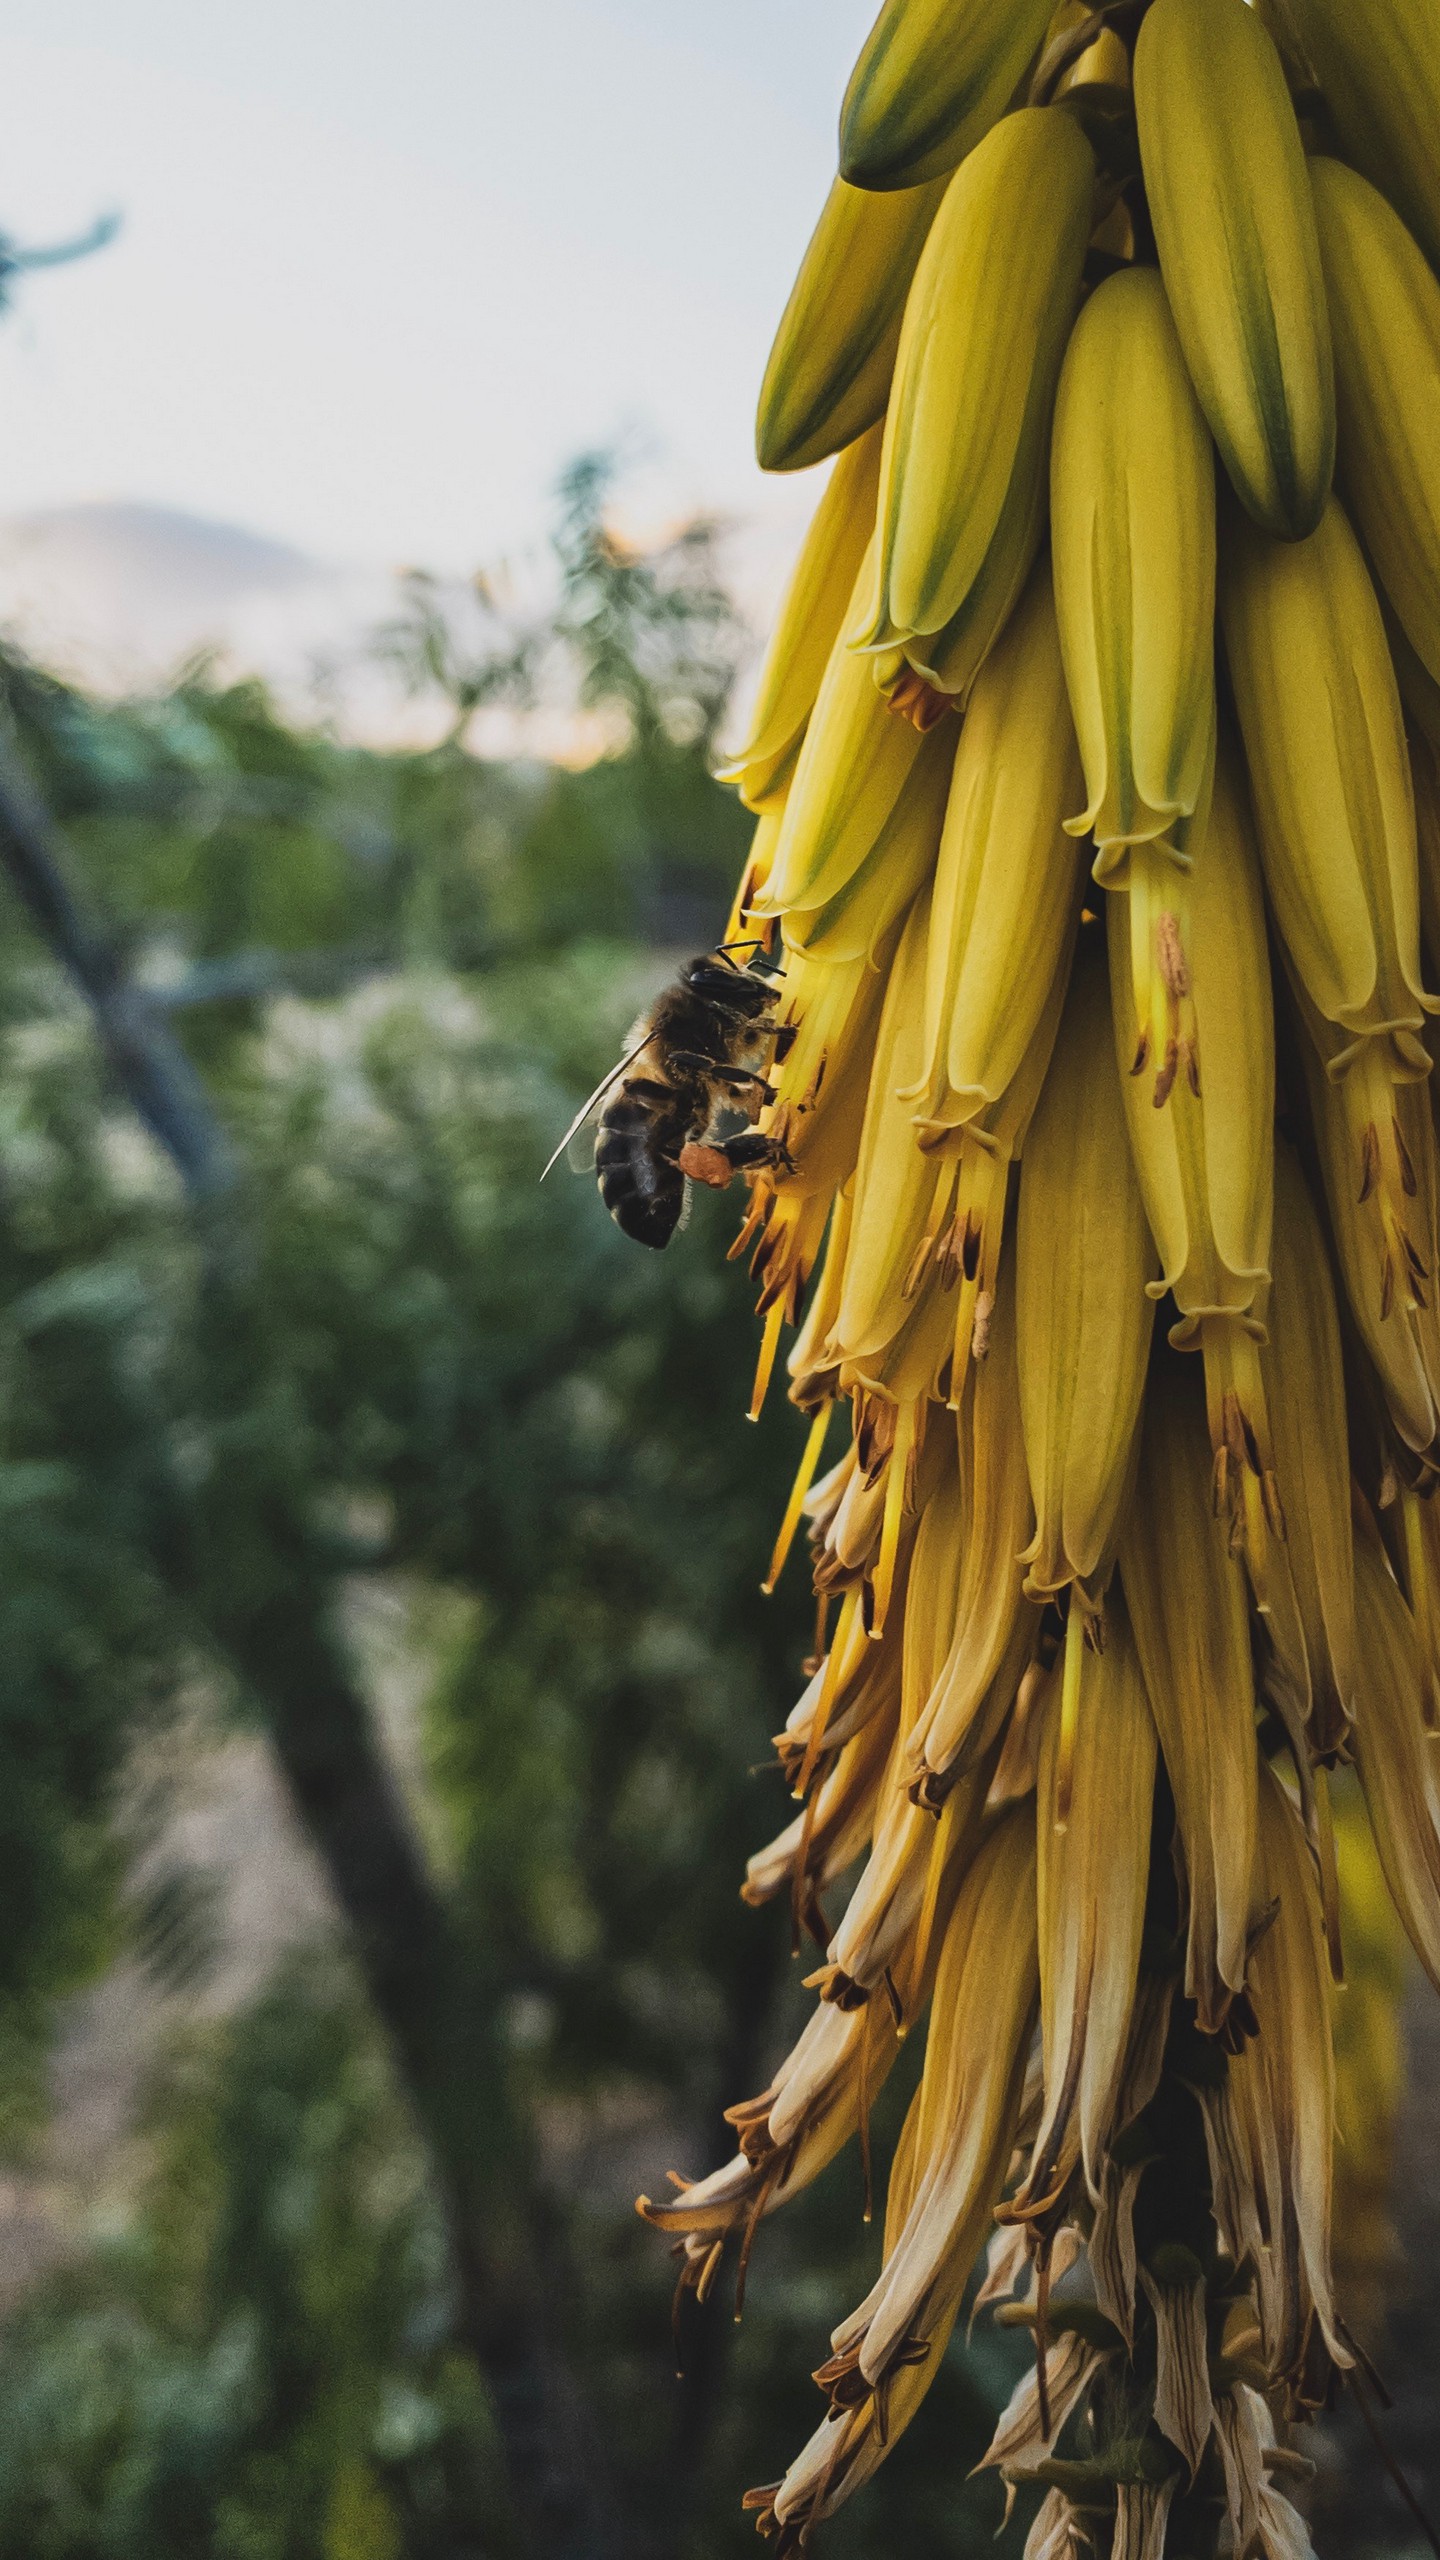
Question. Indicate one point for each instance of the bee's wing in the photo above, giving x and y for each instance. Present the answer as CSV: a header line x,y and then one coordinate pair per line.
x,y
603,1087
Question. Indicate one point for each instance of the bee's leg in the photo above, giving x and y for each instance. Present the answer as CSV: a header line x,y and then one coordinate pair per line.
x,y
752,1151
737,1078
716,1161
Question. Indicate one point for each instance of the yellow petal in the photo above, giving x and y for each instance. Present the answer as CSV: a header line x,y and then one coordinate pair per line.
x,y
1324,741
1234,225
1008,877
1132,513
852,769
1394,1755
1385,313
808,625
985,329
1094,1866
1381,81
829,372
994,1625
1084,1258
930,82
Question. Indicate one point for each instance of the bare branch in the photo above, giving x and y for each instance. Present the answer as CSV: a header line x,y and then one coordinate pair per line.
x,y
145,1058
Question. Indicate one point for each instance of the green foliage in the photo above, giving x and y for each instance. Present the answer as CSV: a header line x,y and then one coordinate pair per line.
x,y
403,1358
258,2368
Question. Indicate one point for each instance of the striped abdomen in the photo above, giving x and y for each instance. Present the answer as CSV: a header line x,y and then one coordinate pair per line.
x,y
641,1132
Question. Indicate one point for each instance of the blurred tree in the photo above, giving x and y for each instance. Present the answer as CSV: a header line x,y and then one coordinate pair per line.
x,y
371,1346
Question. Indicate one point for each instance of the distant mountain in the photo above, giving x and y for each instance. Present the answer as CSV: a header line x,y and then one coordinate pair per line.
x,y
118,595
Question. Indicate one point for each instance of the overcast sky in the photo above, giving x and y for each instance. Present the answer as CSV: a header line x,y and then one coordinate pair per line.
x,y
386,263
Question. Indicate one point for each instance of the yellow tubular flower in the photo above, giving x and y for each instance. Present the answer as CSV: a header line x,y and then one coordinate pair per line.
x,y
995,1627
1394,1755
819,1087
1369,2068
814,1383
822,1843
828,377
1425,777
754,876
1094,1864
1381,79
854,765
810,622
854,923
940,667
1383,1285
838,1703
1313,1612
963,1241
952,2157
930,83
1205,1162
1419,691
1385,317
886,1902
1008,877
1132,528
1186,1598
1320,712
1235,228
895,1183
891,1340
985,329
1084,1263
1284,2082
968,2101
794,2130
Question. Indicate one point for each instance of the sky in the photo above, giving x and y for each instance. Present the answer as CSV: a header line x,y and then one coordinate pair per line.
x,y
386,264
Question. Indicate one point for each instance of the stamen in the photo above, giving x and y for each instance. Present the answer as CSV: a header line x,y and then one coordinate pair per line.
x,y
1369,1162
765,1366
804,1478
867,2163
843,1657
747,2244
1174,969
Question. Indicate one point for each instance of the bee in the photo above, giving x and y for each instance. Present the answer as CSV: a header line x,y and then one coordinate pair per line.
x,y
700,1053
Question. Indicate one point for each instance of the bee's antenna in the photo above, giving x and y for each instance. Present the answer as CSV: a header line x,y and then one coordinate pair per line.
x,y
755,942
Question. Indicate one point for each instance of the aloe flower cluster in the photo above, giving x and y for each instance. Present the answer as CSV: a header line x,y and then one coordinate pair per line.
x,y
1097,868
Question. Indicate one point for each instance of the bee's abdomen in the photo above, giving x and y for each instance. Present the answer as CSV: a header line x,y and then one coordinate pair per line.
x,y
640,1132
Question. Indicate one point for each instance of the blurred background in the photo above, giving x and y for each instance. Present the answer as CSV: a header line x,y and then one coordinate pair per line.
x,y
384,1683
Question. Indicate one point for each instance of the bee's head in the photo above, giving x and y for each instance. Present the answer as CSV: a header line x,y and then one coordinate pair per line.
x,y
715,975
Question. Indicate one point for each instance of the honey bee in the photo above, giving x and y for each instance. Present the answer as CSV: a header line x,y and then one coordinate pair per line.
x,y
700,1053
